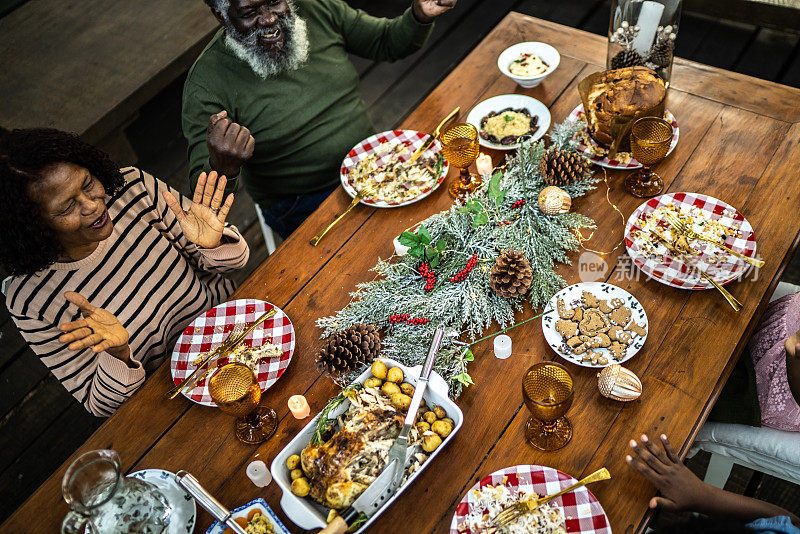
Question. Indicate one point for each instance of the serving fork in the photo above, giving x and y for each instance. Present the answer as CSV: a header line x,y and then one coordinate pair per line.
x,y
735,304
367,191
515,511
684,229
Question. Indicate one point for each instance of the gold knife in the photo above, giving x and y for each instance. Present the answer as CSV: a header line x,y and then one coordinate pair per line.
x,y
431,138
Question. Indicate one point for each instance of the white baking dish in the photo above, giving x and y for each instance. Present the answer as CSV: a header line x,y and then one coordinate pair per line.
x,y
306,513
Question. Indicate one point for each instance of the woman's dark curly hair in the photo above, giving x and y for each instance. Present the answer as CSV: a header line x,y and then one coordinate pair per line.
x,y
28,244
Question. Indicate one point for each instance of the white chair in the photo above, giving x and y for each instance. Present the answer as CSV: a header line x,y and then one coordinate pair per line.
x,y
271,239
770,451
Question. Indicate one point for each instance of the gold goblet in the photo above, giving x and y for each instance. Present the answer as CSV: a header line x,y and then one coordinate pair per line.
x,y
235,390
547,391
650,140
460,148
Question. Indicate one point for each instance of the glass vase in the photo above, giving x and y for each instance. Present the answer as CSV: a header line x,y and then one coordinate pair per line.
x,y
643,32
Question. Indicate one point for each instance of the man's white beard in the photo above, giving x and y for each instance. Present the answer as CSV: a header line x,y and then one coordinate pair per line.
x,y
267,64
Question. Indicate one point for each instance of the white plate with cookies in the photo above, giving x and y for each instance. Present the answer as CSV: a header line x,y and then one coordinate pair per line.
x,y
595,324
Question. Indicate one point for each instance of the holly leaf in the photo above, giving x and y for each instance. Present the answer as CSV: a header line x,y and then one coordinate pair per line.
x,y
464,378
423,235
481,218
440,245
494,192
474,205
434,261
468,356
408,239
417,250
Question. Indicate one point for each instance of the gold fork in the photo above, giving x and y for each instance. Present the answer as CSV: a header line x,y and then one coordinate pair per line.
x,y
514,512
366,191
735,304
431,138
684,229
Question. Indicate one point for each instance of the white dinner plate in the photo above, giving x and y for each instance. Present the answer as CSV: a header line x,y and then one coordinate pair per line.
x,y
501,102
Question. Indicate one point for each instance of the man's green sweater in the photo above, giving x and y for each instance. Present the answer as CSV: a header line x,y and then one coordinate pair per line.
x,y
304,121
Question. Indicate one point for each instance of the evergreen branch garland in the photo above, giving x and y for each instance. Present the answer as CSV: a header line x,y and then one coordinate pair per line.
x,y
470,306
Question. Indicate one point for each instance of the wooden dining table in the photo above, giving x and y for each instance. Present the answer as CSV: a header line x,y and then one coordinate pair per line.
x,y
739,142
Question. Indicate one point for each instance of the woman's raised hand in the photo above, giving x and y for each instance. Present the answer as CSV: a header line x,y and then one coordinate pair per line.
x,y
99,329
205,220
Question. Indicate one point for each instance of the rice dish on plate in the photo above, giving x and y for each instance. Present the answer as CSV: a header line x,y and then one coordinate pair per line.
x,y
488,501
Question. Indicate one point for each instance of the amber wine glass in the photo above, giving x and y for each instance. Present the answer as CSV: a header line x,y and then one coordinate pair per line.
x,y
650,140
234,389
460,148
547,390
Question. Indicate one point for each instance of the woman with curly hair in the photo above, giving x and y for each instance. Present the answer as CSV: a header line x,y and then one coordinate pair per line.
x,y
108,266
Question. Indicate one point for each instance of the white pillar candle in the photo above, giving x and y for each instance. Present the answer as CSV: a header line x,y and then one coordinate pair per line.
x,y
649,19
502,346
399,248
299,407
258,473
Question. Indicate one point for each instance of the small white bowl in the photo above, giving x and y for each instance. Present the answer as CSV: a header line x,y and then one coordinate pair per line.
x,y
548,54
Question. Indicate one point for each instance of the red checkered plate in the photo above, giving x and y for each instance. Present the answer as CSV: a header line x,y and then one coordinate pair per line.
x,y
586,150
582,510
668,270
413,140
209,330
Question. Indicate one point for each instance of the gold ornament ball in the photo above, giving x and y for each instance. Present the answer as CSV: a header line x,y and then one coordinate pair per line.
x,y
618,383
554,200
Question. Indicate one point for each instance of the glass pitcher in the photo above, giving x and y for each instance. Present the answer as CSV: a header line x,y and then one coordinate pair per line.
x,y
102,501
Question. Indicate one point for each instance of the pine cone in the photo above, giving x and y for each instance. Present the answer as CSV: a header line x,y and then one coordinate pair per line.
x,y
511,274
562,167
349,349
626,58
661,53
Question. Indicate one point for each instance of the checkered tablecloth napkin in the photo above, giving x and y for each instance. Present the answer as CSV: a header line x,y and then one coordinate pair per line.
x,y
676,273
412,139
586,150
582,510
209,330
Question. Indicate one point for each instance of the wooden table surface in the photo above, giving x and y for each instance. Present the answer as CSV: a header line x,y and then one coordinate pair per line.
x,y
740,141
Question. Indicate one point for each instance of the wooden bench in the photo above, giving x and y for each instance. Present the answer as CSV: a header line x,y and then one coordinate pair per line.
x,y
87,66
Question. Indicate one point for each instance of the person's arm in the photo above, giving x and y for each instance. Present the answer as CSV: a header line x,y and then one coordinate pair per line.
x,y
89,355
197,226
681,489
215,141
385,39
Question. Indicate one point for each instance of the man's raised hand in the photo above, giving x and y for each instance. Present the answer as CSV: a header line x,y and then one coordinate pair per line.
x,y
229,144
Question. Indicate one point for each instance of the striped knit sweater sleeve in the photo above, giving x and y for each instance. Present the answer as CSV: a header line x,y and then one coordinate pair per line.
x,y
147,274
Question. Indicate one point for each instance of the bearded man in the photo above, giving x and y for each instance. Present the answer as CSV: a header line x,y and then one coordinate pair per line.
x,y
273,99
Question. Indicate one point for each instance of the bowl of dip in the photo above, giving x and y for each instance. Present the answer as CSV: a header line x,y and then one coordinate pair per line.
x,y
528,63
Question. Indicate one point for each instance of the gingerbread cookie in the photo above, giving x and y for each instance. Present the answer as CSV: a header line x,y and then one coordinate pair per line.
x,y
580,349
605,341
563,312
566,328
605,307
595,357
616,302
589,300
634,328
592,322
578,317
620,316
617,350
574,341
616,333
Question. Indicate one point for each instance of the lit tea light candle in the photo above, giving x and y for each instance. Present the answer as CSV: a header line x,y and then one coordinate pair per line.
x,y
258,473
299,406
484,164
502,347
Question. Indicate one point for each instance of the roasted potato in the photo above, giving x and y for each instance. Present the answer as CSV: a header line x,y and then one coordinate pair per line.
x,y
422,426
300,486
293,462
390,388
296,473
407,389
439,411
331,515
430,417
373,382
401,401
379,369
452,423
395,375
430,441
442,427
